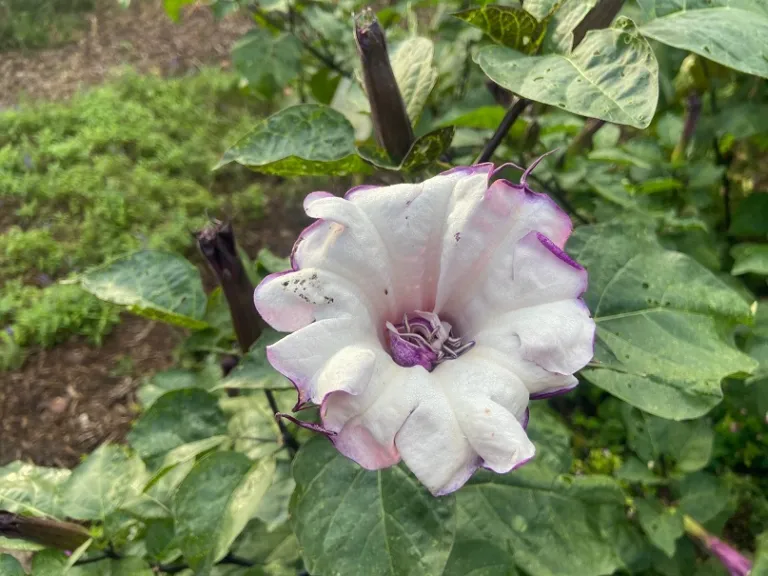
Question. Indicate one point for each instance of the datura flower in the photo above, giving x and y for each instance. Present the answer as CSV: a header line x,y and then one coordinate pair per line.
x,y
425,316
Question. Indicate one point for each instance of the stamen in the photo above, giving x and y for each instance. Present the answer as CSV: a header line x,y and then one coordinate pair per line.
x,y
424,340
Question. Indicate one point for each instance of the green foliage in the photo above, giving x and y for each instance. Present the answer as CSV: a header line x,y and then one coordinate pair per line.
x,y
113,170
668,424
29,24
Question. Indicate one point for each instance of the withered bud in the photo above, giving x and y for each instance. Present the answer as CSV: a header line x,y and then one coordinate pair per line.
x,y
48,533
692,114
217,244
390,118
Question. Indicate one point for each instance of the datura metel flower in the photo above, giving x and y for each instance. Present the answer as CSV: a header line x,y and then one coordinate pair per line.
x,y
425,316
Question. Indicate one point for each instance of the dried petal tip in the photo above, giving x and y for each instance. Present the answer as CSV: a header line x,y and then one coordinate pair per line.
x,y
390,118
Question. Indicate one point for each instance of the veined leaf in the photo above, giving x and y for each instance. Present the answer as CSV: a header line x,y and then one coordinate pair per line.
x,y
415,73
507,25
612,75
157,285
729,32
659,317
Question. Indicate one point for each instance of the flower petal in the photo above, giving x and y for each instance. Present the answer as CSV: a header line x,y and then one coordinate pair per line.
x,y
534,272
411,219
484,223
558,337
288,301
433,446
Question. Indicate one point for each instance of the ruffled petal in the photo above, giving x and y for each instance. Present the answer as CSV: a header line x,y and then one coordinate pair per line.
x,y
558,337
411,219
288,301
534,272
489,403
366,424
481,224
433,446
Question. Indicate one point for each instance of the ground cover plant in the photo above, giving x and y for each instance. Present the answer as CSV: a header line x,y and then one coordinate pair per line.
x,y
645,122
118,168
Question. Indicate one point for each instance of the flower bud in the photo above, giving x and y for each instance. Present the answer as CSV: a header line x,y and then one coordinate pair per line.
x,y
390,118
731,559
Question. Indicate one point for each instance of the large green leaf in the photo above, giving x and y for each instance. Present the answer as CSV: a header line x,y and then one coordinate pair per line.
x,y
176,379
267,62
729,32
540,9
415,73
131,566
612,75
254,370
425,150
350,521
509,26
563,22
750,218
177,418
100,485
688,444
215,502
659,319
9,566
297,141
662,525
750,258
32,490
158,285
703,496
550,523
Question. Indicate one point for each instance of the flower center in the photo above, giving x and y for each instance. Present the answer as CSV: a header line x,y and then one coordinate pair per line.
x,y
424,340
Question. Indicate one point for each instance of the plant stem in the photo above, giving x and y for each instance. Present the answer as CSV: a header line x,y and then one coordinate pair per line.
x,y
217,244
513,113
692,114
583,140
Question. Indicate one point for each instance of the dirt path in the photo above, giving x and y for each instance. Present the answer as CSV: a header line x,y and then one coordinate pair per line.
x,y
141,36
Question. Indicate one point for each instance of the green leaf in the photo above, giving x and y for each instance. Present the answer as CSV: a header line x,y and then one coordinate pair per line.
x,y
9,566
729,32
215,502
173,8
273,510
271,262
612,75
425,150
31,490
177,418
100,485
659,316
750,218
750,258
157,285
184,454
482,117
563,22
267,62
48,563
688,444
547,430
254,371
252,425
350,521
479,558
760,567
415,73
509,26
703,496
635,471
20,545
173,379
551,524
540,9
662,525
307,139
263,545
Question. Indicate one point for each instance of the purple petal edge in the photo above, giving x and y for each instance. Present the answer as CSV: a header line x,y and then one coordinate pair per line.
x,y
557,251
552,393
734,561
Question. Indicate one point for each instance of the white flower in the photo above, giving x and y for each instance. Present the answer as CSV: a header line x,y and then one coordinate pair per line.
x,y
424,318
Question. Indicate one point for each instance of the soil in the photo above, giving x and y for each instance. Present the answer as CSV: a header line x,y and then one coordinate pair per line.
x,y
141,36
